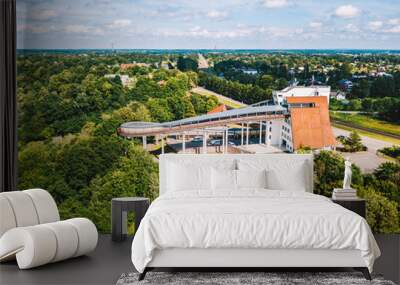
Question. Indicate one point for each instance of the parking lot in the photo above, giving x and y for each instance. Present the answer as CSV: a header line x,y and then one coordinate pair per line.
x,y
366,160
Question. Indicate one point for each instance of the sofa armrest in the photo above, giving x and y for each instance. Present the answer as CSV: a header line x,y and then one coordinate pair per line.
x,y
41,244
32,246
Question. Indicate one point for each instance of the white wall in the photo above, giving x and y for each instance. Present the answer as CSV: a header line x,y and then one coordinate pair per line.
x,y
276,127
301,91
287,135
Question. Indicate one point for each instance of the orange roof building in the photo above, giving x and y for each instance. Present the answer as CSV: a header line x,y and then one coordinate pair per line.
x,y
309,123
220,108
125,66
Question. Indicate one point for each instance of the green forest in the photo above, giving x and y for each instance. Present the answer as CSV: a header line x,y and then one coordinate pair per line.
x,y
69,109
68,117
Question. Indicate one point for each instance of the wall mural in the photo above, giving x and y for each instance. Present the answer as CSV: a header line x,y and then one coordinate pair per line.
x,y
87,67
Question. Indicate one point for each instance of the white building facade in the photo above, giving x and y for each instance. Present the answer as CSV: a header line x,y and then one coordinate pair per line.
x,y
125,79
300,91
286,138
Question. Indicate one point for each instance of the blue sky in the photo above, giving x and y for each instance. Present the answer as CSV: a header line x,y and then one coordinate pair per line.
x,y
185,24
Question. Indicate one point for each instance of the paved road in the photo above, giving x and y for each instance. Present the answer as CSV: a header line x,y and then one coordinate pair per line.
x,y
203,63
366,160
354,112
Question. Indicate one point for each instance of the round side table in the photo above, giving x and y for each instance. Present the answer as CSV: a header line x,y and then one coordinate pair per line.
x,y
119,209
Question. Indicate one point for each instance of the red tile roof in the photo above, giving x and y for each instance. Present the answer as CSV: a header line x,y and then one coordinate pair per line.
x,y
220,108
124,66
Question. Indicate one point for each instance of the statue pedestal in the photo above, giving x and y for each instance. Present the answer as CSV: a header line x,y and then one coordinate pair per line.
x,y
344,194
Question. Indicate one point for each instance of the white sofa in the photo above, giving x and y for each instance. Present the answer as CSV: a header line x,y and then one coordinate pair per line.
x,y
31,231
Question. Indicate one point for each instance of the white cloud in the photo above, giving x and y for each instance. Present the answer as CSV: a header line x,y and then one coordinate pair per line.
x,y
347,11
120,23
315,25
43,14
77,29
34,29
394,21
199,32
277,32
275,3
81,29
393,30
351,28
239,31
375,25
214,14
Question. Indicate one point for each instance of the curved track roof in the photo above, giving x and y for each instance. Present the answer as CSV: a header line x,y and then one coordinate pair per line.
x,y
207,120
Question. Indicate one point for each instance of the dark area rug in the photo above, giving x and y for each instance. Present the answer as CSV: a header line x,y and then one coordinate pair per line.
x,y
273,278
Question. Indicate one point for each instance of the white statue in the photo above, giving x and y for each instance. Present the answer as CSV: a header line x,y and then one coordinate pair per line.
x,y
347,174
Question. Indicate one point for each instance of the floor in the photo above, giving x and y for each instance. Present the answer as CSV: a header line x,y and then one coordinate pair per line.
x,y
104,266
110,260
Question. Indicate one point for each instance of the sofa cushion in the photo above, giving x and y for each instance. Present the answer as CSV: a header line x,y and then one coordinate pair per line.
x,y
41,244
23,208
46,207
7,220
32,246
87,235
67,240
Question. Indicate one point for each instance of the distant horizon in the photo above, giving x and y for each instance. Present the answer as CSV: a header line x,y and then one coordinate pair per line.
x,y
333,49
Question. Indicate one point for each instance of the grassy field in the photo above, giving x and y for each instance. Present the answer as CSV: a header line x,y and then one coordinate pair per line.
x,y
229,103
369,134
363,121
222,99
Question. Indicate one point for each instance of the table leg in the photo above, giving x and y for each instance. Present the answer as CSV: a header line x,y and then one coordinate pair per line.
x,y
116,222
124,223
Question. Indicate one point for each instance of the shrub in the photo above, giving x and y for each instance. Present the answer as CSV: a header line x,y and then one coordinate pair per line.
x,y
382,214
393,151
352,143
